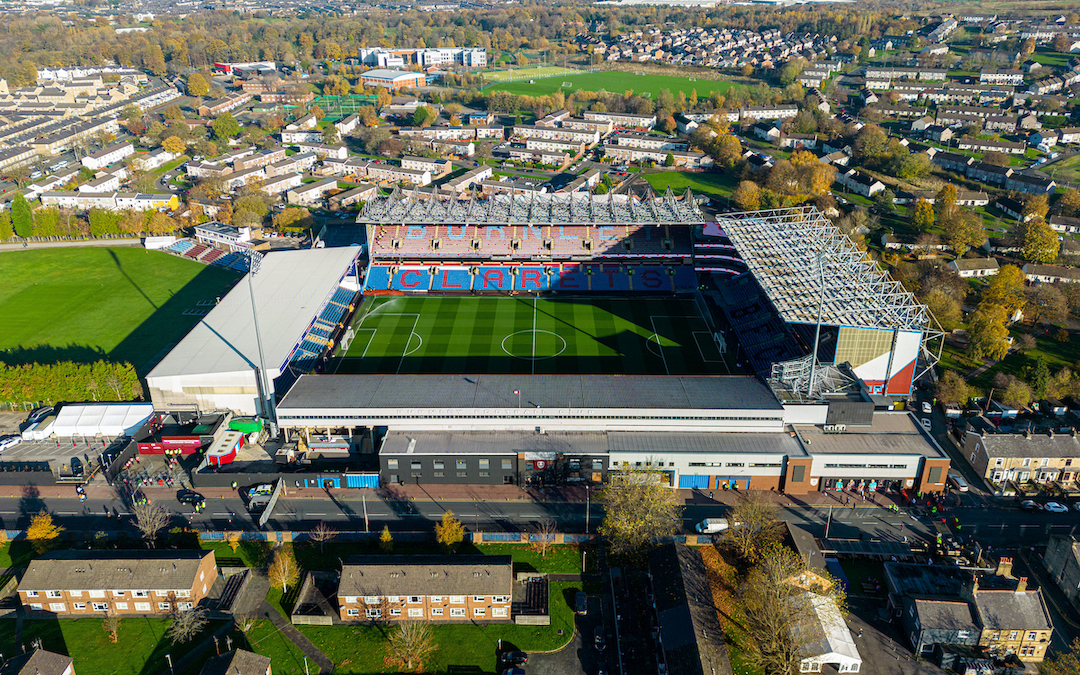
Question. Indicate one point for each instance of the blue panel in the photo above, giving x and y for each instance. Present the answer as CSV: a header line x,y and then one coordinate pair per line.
x,y
570,280
692,482
412,280
650,278
685,278
493,279
609,279
362,480
531,279
455,279
377,279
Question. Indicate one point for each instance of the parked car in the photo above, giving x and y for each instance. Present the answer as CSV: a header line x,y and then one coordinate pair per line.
x,y
927,424
957,481
581,602
926,408
712,525
9,442
515,658
1029,505
191,497
1055,507
599,639
40,414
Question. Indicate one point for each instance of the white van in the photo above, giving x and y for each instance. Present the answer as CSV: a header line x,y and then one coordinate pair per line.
x,y
712,525
957,481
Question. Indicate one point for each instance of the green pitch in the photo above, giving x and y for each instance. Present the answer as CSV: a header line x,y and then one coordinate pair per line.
x,y
614,81
488,335
532,72
85,304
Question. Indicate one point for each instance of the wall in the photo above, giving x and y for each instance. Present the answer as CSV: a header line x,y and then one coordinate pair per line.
x,y
1063,568
792,486
929,467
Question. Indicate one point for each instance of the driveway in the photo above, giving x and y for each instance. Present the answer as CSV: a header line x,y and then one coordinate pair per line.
x,y
578,657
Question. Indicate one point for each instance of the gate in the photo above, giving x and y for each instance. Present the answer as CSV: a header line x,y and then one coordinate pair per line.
x,y
692,482
362,480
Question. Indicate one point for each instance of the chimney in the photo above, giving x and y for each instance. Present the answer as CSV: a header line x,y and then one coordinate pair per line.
x,y
1021,584
1004,568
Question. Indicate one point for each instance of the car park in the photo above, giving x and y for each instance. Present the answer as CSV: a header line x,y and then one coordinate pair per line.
x,y
1029,505
515,658
1055,507
581,602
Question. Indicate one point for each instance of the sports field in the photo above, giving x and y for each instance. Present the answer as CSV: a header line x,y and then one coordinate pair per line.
x,y
534,72
615,81
83,304
489,335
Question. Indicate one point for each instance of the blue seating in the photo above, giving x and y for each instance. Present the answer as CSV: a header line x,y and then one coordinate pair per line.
x,y
312,347
332,314
181,247
411,279
225,260
452,279
493,279
343,296
609,278
570,279
531,279
322,332
651,278
240,264
377,278
685,279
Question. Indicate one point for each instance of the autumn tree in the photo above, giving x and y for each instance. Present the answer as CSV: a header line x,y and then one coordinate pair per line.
x,y
944,306
728,151
450,532
174,145
1046,305
752,525
1069,203
1035,206
43,534
1005,290
225,126
922,215
987,334
197,85
952,388
747,196
150,518
1063,663
1040,243
111,625
386,540
410,646
331,135
638,510
945,200
963,230
284,572
323,534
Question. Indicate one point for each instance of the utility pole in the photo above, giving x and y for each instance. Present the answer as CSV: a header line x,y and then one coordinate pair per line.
x,y
587,490
817,331
364,497
266,393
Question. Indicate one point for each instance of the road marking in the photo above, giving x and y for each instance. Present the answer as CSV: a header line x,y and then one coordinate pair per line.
x,y
67,513
222,514
316,514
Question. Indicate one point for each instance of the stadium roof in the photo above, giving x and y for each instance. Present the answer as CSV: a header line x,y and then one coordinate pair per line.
x,y
371,392
799,257
575,208
290,288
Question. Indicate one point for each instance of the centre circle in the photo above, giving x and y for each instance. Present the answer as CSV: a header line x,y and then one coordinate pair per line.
x,y
533,345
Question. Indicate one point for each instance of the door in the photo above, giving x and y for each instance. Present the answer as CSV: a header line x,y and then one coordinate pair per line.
x,y
692,482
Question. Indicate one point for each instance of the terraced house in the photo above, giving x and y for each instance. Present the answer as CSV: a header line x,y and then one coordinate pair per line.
x,y
1040,456
436,588
139,583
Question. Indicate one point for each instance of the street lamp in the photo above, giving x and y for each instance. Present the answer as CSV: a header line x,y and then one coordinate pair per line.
x,y
265,384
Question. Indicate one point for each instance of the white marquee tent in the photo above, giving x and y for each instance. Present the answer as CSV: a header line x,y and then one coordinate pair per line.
x,y
825,638
101,419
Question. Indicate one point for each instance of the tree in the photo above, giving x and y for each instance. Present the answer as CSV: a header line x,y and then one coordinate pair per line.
x,y
197,85
386,540
637,511
945,199
5,225
1040,244
945,307
150,518
728,151
1005,290
669,160
747,196
922,216
1069,202
111,625
323,534
331,135
1046,305
283,572
996,159
185,625
423,115
988,336
1064,663
226,126
963,230
753,526
871,142
778,600
43,534
1040,378
1036,206
411,645
233,540
21,216
293,219
545,539
952,388
174,145
450,532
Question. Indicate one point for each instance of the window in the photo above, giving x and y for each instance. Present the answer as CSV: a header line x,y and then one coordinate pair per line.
x,y
352,612
416,611
485,474
391,464
140,594
101,606
496,599
479,611
440,474
1027,462
396,611
36,606
999,462
457,599
183,594
372,599
439,464
415,599
373,613
1033,635
478,598
53,594
498,611
438,611
118,594
163,605
457,611
461,464
1068,462
598,465
161,594
735,464
393,599
484,464
57,607
75,594
1014,634
184,606
394,478
142,606
436,598
121,606
31,594
1044,461
507,464
414,465
78,606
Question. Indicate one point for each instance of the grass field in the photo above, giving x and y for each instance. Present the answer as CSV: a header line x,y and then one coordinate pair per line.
x,y
530,336
542,71
615,81
720,184
1067,170
84,304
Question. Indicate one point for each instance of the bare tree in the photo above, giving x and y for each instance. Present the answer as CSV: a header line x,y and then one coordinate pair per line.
x,y
753,525
185,625
111,625
150,518
410,646
323,534
546,531
246,622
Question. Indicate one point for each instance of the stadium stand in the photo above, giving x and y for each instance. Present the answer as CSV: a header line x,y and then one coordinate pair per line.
x,y
195,251
764,337
180,247
240,264
210,256
225,260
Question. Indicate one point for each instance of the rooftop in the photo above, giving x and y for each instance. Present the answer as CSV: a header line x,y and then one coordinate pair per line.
x,y
237,662
945,614
894,433
38,662
382,575
1012,610
144,570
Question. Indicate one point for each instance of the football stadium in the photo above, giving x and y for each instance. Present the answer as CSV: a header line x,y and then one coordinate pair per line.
x,y
559,337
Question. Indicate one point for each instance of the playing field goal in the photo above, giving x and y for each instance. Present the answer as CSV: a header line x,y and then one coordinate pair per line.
x,y
567,84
